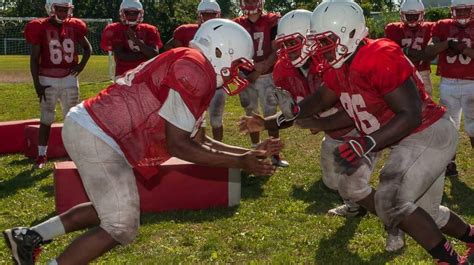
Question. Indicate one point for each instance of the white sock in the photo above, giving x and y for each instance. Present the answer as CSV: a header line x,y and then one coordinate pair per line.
x,y
42,150
53,262
50,228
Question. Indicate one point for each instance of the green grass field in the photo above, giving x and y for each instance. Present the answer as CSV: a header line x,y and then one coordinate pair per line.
x,y
281,219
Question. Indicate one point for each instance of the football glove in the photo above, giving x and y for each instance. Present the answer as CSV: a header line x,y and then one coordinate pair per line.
x,y
287,104
456,46
352,152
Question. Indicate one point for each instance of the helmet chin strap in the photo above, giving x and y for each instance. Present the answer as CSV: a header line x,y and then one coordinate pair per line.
x,y
59,21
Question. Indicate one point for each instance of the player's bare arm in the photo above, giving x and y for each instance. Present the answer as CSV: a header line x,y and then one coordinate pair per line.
x,y
405,102
319,101
339,120
418,55
270,146
87,48
172,43
435,47
468,52
181,145
147,51
127,56
34,68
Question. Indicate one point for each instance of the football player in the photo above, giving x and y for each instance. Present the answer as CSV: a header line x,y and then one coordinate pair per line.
x,y
294,72
452,40
413,35
383,95
55,65
262,27
207,9
150,114
132,41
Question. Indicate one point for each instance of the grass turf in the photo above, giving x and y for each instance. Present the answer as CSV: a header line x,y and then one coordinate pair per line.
x,y
281,219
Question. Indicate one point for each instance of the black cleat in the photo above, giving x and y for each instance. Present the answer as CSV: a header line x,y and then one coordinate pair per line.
x,y
24,244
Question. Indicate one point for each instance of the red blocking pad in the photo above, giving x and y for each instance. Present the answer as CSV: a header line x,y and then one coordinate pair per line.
x,y
179,185
12,135
55,144
68,187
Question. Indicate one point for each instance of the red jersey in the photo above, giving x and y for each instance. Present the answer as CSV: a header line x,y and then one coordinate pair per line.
x,y
416,38
377,69
58,44
128,110
115,35
185,33
290,78
261,32
458,66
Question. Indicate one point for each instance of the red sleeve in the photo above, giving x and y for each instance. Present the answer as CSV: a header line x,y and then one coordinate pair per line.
x,y
392,32
81,28
191,81
180,33
390,69
439,31
107,39
154,37
34,32
330,80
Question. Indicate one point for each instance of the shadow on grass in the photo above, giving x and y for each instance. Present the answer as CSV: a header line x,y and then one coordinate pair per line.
x,y
461,196
252,186
21,181
336,250
188,216
320,198
23,162
48,190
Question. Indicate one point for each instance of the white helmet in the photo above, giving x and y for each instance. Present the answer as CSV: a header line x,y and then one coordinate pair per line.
x,y
208,6
412,12
337,27
131,5
229,48
250,7
462,11
291,36
50,8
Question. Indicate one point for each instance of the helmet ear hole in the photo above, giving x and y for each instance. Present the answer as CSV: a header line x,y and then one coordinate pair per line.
x,y
352,34
218,53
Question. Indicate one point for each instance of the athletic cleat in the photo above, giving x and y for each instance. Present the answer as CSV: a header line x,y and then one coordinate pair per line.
x,y
24,244
278,162
347,211
40,162
395,241
451,170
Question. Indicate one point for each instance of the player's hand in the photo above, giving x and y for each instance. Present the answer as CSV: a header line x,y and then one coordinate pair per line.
x,y
40,89
254,162
77,69
457,46
251,124
353,152
287,104
271,146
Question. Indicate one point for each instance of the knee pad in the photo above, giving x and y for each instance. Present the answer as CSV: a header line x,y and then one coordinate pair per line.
x,y
391,211
215,119
47,116
356,186
331,181
123,231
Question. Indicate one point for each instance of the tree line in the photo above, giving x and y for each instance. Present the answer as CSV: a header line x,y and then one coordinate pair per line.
x,y
168,14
